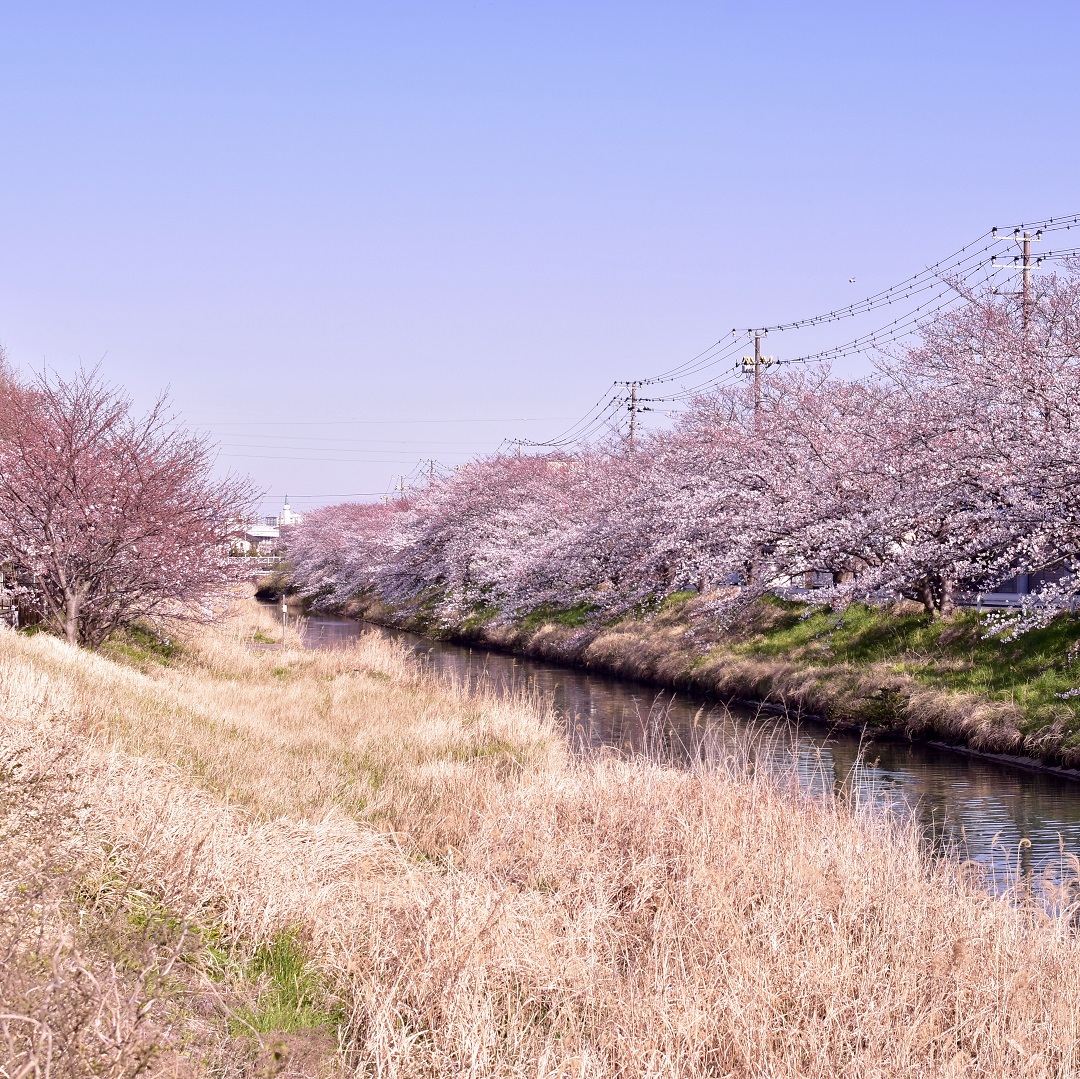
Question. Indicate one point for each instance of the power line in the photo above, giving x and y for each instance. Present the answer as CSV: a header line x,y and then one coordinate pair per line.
x,y
338,494
925,279
902,326
937,287
326,460
358,441
702,362
327,423
363,450
588,424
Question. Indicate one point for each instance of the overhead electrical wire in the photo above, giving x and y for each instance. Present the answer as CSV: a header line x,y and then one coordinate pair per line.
x,y
945,295
912,286
701,363
357,441
330,423
337,449
574,433
705,358
1047,224
689,392
597,424
938,287
327,460
889,333
337,494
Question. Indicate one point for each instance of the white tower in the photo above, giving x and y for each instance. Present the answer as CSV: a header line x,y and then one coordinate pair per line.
x,y
287,517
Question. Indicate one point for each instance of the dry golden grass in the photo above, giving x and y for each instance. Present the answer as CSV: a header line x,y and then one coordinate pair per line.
x,y
67,1008
482,904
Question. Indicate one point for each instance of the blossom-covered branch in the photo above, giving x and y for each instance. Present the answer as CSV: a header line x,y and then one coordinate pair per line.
x,y
105,517
953,467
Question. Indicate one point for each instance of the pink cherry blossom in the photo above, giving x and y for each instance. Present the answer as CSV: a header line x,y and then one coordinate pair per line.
x,y
952,467
106,518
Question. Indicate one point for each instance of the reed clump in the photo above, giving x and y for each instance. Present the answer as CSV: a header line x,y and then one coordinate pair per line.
x,y
461,896
883,668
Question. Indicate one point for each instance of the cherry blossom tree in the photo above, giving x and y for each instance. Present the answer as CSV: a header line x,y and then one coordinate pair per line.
x,y
997,391
473,540
342,551
953,466
105,517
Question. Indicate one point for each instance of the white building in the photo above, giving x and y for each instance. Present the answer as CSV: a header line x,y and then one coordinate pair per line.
x,y
286,517
262,536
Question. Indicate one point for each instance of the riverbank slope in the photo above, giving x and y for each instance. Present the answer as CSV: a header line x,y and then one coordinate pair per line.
x,y
279,861
888,670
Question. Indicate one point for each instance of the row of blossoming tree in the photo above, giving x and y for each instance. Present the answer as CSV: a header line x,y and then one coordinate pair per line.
x,y
108,518
953,467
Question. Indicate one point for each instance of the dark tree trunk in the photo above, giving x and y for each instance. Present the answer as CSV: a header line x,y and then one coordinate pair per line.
x,y
926,594
945,598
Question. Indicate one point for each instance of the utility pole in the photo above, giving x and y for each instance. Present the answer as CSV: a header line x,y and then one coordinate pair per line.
x,y
1024,240
755,364
1027,280
757,376
399,487
634,406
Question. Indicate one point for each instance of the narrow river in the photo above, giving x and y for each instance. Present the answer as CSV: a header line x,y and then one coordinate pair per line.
x,y
972,808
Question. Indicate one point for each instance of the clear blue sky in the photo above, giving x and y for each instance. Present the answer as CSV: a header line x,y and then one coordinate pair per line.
x,y
479,212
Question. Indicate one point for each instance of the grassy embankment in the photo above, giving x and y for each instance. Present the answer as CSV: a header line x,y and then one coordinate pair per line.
x,y
889,669
315,863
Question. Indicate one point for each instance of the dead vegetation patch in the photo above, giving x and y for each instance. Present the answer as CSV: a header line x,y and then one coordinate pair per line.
x,y
390,876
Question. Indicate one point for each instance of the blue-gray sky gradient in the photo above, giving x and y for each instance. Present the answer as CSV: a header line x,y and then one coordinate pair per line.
x,y
487,212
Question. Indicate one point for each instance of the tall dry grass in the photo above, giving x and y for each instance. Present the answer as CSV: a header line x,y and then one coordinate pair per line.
x,y
481,903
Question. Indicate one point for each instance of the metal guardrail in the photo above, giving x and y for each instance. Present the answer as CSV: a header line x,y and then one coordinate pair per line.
x,y
988,601
260,562
981,601
985,601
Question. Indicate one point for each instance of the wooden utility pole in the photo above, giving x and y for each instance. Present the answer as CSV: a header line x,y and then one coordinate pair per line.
x,y
1027,281
755,364
634,405
757,376
1023,239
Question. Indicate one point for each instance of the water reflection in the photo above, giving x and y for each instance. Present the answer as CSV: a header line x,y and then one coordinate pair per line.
x,y
1018,825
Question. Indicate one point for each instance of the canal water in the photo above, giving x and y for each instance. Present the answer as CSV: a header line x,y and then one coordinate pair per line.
x,y
1016,823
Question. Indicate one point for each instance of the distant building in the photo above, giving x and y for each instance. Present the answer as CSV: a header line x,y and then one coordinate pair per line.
x,y
263,536
286,517
284,520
